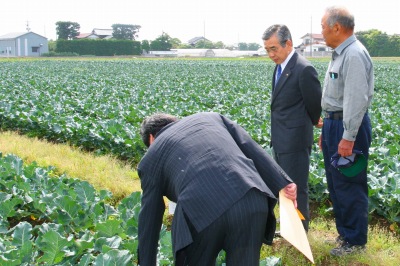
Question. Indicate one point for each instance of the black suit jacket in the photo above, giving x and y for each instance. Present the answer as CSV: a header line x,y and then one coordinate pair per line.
x,y
295,106
205,163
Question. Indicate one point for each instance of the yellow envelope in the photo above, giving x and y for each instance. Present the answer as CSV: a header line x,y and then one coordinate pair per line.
x,y
291,226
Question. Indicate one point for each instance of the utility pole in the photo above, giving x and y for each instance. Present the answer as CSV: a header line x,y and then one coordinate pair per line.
x,y
204,34
311,40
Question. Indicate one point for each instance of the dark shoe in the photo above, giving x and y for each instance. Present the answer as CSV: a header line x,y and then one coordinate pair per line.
x,y
277,234
337,241
346,249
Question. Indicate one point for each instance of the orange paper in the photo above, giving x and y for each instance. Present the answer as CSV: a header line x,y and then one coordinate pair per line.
x,y
300,215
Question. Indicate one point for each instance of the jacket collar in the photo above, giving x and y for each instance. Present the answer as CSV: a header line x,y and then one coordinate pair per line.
x,y
285,74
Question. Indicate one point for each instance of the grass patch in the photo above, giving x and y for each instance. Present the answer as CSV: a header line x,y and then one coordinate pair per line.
x,y
383,247
103,172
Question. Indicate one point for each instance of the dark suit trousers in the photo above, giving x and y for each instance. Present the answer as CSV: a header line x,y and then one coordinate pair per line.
x,y
349,195
239,231
297,165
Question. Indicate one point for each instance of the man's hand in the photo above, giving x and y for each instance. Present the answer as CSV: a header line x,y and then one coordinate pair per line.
x,y
345,147
320,142
291,193
320,123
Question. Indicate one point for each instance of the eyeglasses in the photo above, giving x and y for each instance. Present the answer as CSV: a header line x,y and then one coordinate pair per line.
x,y
272,50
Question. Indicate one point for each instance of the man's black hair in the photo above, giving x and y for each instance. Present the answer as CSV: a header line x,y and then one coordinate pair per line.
x,y
153,124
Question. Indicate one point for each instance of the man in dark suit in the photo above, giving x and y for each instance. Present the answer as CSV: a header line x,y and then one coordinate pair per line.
x,y
295,108
225,186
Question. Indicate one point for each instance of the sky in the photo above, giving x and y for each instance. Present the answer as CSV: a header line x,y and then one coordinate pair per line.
x,y
217,20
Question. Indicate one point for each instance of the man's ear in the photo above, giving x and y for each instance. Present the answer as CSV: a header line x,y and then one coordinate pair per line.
x,y
337,28
151,139
289,43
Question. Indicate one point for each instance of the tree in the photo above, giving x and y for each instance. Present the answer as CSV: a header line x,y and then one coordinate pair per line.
x,y
242,46
125,31
52,46
253,46
219,45
162,43
204,44
394,42
67,30
379,43
146,46
184,46
176,43
248,46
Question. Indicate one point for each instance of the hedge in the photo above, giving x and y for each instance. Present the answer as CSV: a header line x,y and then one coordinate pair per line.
x,y
99,47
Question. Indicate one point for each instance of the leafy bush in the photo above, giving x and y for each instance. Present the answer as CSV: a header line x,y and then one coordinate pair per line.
x,y
56,220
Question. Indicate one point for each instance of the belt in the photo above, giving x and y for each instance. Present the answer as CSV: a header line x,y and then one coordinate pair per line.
x,y
338,115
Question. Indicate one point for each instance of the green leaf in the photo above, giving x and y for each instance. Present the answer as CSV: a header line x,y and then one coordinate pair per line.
x,y
21,239
8,207
9,262
85,192
86,260
271,261
4,225
131,227
54,247
15,163
86,242
4,196
104,244
68,209
114,258
130,244
130,206
105,194
109,228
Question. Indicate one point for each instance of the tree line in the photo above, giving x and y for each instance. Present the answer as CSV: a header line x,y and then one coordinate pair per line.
x,y
67,30
378,43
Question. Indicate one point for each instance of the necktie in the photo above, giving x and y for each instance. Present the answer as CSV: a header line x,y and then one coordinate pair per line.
x,y
278,75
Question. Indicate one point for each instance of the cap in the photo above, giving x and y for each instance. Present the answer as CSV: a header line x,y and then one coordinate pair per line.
x,y
350,166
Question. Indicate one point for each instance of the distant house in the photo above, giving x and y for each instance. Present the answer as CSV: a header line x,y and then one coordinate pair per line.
x,y
23,44
96,34
195,40
313,45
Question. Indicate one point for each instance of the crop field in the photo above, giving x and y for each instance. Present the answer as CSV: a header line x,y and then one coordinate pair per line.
x,y
98,105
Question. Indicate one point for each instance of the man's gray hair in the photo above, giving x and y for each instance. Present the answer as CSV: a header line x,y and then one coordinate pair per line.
x,y
340,15
282,32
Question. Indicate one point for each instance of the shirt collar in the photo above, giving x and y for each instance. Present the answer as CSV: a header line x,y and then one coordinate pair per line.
x,y
344,44
284,63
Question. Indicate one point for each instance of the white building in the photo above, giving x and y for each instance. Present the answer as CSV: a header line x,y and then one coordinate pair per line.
x,y
23,44
314,45
97,34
